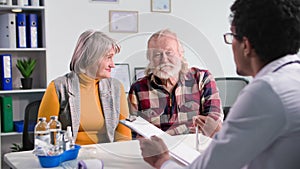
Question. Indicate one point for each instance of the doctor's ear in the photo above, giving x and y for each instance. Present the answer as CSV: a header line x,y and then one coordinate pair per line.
x,y
247,46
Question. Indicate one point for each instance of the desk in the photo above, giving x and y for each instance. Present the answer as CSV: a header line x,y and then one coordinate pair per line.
x,y
114,155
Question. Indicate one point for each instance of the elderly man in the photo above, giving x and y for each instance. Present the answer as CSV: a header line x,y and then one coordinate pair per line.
x,y
172,96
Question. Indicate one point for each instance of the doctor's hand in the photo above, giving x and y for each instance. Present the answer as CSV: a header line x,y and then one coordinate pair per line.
x,y
154,151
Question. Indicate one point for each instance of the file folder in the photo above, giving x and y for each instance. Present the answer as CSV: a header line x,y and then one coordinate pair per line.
x,y
6,72
32,32
21,30
22,2
2,2
7,124
34,2
8,37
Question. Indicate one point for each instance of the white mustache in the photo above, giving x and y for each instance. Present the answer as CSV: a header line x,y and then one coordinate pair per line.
x,y
165,65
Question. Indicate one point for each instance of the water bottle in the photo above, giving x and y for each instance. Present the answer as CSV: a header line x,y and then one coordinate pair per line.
x,y
41,133
55,128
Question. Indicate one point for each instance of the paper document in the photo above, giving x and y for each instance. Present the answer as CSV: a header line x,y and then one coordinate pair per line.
x,y
178,150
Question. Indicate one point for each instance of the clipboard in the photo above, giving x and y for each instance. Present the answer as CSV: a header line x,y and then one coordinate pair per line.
x,y
178,150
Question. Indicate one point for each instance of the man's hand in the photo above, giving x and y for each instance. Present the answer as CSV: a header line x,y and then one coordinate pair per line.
x,y
199,121
211,126
154,151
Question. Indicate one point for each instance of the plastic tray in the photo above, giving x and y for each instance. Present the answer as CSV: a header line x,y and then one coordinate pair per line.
x,y
54,161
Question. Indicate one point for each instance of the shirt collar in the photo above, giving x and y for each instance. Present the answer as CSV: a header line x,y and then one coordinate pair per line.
x,y
270,67
156,80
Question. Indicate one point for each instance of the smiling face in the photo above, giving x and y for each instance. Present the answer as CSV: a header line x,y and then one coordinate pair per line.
x,y
105,65
165,57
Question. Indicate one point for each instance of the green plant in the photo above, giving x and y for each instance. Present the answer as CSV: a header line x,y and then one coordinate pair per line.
x,y
16,147
26,66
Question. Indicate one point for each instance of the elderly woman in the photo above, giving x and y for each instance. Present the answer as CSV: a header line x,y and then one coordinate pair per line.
x,y
86,98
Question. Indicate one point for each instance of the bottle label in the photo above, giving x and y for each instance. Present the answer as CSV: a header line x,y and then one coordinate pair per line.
x,y
42,138
54,136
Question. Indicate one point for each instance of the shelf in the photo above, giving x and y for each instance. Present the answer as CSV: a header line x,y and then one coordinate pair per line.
x,y
22,97
8,8
11,134
19,91
22,49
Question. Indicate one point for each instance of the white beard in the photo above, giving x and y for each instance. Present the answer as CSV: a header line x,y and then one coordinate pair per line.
x,y
166,71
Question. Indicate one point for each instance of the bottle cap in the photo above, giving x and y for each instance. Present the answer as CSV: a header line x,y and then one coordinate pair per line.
x,y
42,119
53,117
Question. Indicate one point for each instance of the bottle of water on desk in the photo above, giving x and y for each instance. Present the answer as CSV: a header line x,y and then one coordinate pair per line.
x,y
41,134
54,128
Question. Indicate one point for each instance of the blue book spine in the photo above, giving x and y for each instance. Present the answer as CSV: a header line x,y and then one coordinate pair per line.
x,y
21,30
6,72
32,30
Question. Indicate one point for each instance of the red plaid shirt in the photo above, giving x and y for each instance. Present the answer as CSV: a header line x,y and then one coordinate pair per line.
x,y
195,93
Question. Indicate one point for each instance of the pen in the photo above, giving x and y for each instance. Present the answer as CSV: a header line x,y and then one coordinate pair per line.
x,y
197,139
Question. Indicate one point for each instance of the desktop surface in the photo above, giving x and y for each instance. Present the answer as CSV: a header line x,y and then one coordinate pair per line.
x,y
114,155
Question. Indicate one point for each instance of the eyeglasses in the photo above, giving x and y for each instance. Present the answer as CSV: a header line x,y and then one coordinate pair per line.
x,y
228,37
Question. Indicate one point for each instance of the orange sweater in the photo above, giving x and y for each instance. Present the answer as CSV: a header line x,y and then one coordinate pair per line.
x,y
92,125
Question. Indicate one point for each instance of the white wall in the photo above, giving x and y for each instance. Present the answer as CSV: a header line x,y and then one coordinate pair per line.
x,y
200,24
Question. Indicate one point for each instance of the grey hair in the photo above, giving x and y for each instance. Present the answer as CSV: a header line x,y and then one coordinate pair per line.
x,y
91,46
157,36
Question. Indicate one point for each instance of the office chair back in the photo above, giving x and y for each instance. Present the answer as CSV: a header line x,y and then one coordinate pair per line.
x,y
229,89
30,120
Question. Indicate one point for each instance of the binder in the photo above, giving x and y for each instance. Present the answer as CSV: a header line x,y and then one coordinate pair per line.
x,y
22,2
8,37
21,30
7,124
6,72
2,2
32,33
9,2
34,2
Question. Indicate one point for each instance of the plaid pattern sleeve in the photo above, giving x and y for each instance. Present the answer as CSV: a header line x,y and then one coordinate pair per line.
x,y
132,101
197,95
210,104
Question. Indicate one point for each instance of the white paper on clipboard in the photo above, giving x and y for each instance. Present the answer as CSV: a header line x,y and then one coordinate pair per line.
x,y
178,150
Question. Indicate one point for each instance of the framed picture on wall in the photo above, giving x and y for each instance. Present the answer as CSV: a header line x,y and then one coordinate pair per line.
x,y
123,21
122,73
139,72
161,6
